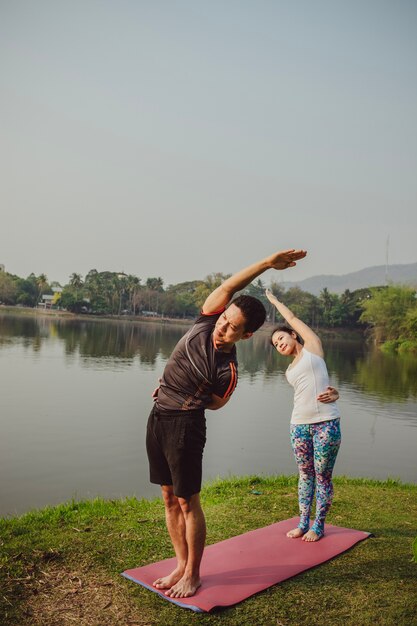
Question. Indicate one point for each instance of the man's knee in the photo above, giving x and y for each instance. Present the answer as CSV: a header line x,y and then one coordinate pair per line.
x,y
168,496
191,504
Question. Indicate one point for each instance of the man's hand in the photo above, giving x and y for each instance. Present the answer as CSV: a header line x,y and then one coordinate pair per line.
x,y
221,296
330,394
287,258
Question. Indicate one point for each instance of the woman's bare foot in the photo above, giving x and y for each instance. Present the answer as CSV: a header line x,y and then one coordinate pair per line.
x,y
184,588
311,536
295,533
166,582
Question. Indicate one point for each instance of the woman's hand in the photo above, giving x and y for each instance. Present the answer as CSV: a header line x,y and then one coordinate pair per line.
x,y
273,300
330,394
155,391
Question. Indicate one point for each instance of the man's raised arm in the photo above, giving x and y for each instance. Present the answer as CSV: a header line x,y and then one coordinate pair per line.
x,y
221,296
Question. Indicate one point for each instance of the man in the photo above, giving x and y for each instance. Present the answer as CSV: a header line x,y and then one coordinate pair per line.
x,y
200,374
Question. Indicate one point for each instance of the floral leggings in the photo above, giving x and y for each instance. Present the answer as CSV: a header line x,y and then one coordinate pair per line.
x,y
315,449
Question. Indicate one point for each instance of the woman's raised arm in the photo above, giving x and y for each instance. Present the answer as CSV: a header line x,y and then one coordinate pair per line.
x,y
311,340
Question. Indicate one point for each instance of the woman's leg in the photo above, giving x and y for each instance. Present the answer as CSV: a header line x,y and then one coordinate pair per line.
x,y
302,445
326,442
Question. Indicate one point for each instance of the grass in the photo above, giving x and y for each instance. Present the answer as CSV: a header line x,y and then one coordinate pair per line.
x,y
62,565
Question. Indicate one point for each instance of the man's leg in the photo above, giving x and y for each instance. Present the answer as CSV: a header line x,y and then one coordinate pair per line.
x,y
175,522
184,516
195,536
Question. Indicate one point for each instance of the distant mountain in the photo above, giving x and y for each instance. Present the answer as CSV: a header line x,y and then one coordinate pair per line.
x,y
368,277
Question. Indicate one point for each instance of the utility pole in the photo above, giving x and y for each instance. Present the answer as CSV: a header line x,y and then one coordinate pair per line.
x,y
386,260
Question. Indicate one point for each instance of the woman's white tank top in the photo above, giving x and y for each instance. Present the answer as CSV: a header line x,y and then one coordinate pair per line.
x,y
309,377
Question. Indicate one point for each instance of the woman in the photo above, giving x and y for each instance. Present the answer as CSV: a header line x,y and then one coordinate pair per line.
x,y
315,420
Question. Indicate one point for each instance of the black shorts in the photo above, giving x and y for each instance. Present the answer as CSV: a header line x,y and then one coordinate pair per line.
x,y
175,443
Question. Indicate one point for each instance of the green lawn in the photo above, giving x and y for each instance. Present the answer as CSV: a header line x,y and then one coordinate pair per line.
x,y
62,565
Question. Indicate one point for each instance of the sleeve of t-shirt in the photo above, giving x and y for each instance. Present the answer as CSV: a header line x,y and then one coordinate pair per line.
x,y
209,318
226,381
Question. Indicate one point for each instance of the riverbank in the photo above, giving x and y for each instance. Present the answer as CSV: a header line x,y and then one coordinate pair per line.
x,y
329,333
67,315
62,565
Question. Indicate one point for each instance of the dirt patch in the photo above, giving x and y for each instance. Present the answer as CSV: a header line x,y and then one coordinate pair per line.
x,y
59,596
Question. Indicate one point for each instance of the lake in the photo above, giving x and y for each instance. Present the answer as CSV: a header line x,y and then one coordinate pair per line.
x,y
76,394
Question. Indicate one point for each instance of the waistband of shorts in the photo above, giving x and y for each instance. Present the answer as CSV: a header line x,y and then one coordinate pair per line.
x,y
194,414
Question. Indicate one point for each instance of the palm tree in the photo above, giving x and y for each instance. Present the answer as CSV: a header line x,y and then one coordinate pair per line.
x,y
155,284
76,280
42,283
132,287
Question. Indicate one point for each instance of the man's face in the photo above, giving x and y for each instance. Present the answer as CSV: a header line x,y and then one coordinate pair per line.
x,y
230,328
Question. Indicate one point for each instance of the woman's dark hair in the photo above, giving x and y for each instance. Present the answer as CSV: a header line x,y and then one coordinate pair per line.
x,y
252,310
286,329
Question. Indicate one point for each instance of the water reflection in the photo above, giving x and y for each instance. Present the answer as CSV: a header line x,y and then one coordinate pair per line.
x,y
350,362
79,428
354,363
95,339
387,376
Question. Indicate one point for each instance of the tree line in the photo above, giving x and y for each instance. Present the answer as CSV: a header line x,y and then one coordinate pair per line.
x,y
389,313
113,293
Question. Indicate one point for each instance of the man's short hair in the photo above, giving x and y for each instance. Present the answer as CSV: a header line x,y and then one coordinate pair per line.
x,y
253,311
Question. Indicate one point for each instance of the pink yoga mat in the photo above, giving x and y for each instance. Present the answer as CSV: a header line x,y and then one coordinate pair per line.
x,y
234,569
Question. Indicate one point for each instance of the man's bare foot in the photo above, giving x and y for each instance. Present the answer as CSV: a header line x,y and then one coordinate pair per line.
x,y
184,588
311,536
295,532
166,582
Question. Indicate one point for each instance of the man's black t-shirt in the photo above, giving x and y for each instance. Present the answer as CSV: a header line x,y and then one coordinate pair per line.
x,y
196,370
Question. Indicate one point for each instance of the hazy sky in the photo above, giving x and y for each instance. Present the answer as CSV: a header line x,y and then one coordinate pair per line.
x,y
176,138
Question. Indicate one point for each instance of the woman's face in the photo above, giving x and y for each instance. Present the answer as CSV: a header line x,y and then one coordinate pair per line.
x,y
284,342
